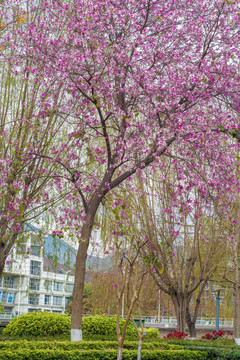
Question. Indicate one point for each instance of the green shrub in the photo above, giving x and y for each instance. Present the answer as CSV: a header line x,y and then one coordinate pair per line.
x,y
26,354
152,334
2,310
38,324
219,343
103,325
49,324
84,345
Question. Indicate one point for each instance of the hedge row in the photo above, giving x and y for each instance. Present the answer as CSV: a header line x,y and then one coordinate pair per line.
x,y
27,354
230,344
219,353
50,324
83,345
38,324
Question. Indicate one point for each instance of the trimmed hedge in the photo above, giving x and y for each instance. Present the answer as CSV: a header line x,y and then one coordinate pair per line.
x,y
152,334
27,354
83,345
107,350
50,324
104,325
38,324
219,353
213,343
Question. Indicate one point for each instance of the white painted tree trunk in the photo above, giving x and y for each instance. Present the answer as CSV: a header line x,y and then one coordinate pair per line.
x,y
139,349
76,335
119,356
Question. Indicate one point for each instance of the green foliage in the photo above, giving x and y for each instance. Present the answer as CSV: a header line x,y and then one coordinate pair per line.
x,y
152,334
107,350
2,310
83,345
47,354
104,325
221,343
220,350
38,324
49,324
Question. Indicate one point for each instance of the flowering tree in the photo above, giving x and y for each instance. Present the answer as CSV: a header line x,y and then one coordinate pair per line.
x,y
27,125
142,79
186,245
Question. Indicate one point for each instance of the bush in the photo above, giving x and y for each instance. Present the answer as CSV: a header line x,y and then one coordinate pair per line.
x,y
103,325
38,324
2,310
176,335
26,354
218,334
226,343
83,345
152,334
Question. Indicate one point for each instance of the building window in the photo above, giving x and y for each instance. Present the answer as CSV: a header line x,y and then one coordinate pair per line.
x,y
33,310
8,282
47,300
3,296
35,250
35,268
58,286
33,299
34,284
11,298
57,300
8,310
69,288
67,300
48,285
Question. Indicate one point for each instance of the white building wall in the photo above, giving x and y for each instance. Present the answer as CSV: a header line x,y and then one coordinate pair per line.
x,y
16,293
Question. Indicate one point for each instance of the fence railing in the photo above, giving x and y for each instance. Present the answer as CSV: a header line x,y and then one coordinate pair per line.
x,y
164,321
172,321
7,316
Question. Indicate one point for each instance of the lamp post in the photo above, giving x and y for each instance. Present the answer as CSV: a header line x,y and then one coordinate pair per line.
x,y
217,291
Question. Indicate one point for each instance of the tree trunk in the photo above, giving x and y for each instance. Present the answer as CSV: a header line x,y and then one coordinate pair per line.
x,y
236,305
139,349
191,328
179,302
119,355
191,320
2,258
77,299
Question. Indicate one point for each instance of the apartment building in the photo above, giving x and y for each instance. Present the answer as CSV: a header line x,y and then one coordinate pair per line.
x,y
39,274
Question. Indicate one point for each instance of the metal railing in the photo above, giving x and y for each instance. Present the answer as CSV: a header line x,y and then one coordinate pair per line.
x,y
164,321
172,321
7,316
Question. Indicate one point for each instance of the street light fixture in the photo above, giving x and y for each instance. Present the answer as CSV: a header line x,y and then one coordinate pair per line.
x,y
217,291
